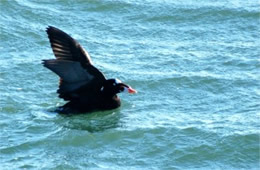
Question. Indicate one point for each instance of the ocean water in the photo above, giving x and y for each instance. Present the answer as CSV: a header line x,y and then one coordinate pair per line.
x,y
195,64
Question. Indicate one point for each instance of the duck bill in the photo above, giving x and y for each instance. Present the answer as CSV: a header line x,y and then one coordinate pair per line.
x,y
131,90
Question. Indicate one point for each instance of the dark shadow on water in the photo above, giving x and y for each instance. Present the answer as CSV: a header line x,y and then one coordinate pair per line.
x,y
93,122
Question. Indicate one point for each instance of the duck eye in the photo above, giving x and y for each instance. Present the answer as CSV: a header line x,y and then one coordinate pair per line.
x,y
121,89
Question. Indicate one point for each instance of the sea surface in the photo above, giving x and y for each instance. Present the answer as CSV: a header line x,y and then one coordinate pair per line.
x,y
195,64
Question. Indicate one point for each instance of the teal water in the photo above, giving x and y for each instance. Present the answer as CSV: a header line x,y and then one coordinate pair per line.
x,y
194,63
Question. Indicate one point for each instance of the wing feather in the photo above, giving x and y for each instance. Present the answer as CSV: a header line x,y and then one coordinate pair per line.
x,y
73,65
62,41
69,71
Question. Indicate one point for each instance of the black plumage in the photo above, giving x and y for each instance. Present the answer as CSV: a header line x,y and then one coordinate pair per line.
x,y
81,84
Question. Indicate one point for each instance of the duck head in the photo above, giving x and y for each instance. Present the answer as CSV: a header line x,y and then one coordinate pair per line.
x,y
113,86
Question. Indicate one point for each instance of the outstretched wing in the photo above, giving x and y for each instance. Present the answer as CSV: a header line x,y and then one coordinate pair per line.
x,y
73,65
65,47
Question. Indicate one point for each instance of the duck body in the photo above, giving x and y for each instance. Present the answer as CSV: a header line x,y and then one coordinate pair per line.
x,y
99,103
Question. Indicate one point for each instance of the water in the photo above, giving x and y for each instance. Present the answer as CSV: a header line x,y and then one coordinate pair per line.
x,y
195,65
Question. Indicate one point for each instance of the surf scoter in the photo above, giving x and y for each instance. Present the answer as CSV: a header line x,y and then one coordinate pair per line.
x,y
81,83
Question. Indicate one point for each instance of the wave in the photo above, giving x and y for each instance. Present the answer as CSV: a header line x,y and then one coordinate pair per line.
x,y
177,15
